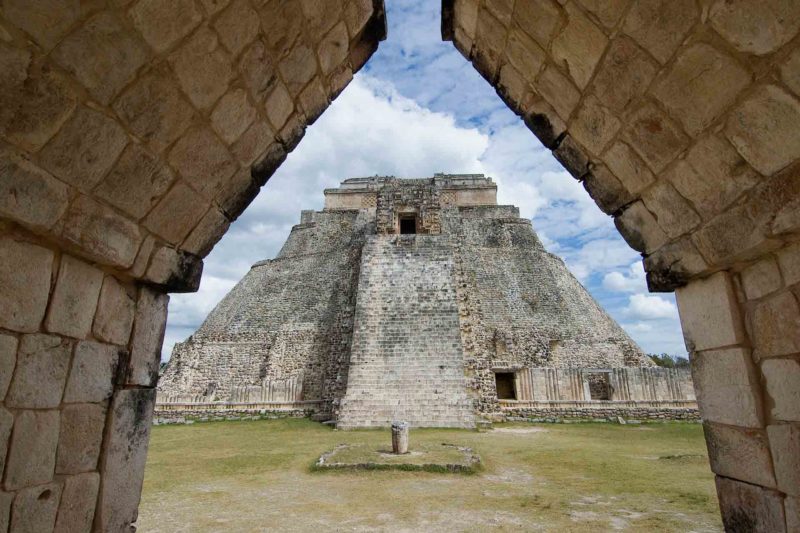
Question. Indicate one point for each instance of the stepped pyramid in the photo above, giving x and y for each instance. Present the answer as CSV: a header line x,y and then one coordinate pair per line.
x,y
402,299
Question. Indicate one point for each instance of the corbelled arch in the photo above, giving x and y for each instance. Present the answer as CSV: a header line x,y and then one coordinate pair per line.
x,y
132,133
680,118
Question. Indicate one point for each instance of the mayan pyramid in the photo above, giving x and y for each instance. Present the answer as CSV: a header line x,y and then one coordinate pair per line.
x,y
402,299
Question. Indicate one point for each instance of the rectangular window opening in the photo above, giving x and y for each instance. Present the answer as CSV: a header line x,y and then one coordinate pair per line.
x,y
599,386
504,382
408,225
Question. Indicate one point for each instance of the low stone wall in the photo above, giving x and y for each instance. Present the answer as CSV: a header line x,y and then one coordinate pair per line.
x,y
600,410
183,413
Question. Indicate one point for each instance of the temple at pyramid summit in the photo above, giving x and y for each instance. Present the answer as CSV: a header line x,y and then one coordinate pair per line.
x,y
419,300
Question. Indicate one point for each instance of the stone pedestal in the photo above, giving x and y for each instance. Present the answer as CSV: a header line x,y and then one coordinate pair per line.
x,y
400,437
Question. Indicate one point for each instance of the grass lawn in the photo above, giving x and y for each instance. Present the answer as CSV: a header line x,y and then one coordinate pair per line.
x,y
257,476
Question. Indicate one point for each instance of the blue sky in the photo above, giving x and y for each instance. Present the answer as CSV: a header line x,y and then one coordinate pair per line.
x,y
416,108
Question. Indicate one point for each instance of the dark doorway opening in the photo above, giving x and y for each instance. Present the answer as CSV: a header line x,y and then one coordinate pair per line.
x,y
599,387
504,381
408,225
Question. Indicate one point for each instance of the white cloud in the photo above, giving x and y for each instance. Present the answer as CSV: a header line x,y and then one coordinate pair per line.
x,y
632,281
646,306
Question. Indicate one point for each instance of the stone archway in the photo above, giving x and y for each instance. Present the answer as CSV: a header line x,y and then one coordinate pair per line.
x,y
124,157
680,119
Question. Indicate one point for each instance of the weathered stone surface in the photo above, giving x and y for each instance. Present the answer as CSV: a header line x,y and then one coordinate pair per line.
x,y
333,48
5,509
76,510
673,265
320,15
784,441
174,270
114,316
606,190
85,149
701,84
594,125
203,68
543,121
748,507
154,109
176,214
654,136
539,18
32,452
640,229
298,68
789,261
123,458
237,26
6,421
792,510
27,194
358,12
579,46
25,290
74,299
776,326
80,436
558,91
572,156
660,26
137,180
313,101
782,378
624,74
91,378
490,40
35,508
710,315
103,55
673,213
162,24
762,129
8,360
628,167
207,233
727,386
233,115
790,71
740,453
253,142
731,236
241,190
761,279
148,334
213,6
279,106
257,68
608,12
524,54
756,26
41,372
203,160
45,21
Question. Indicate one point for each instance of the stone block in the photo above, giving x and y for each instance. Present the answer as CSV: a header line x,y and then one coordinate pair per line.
x,y
673,213
177,213
790,71
74,300
8,360
41,372
782,380
208,232
85,149
731,236
29,195
25,290
5,509
162,24
213,6
713,175
543,121
148,334
358,12
524,54
320,15
32,452
756,26
740,453
91,378
606,190
490,41
792,511
784,441
139,266
746,507
579,46
660,26
511,87
232,115
709,312
774,204
281,25
137,180
174,270
237,26
203,68
46,21
624,74
628,168
573,157
313,101
789,261
102,55
6,422
654,136
203,160
114,316
761,278
558,91
700,85
775,325
673,265
333,48
123,458
762,129
257,69
640,229
279,106
501,9
253,142
608,12
594,126
154,109
538,18
298,68
727,386
35,509
80,437
78,499
241,190
101,233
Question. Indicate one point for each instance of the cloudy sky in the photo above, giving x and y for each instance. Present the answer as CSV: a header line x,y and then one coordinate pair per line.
x,y
418,107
